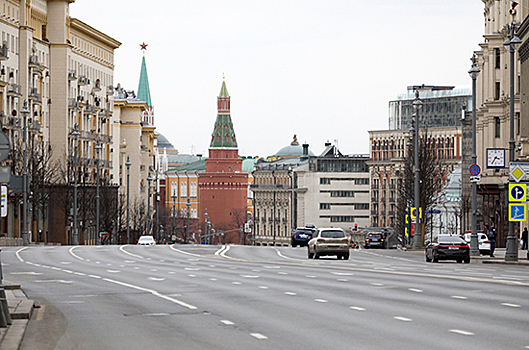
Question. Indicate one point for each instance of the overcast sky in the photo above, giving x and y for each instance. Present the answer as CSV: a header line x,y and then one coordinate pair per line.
x,y
323,70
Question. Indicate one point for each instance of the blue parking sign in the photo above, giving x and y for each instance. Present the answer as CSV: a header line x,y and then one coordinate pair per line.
x,y
517,212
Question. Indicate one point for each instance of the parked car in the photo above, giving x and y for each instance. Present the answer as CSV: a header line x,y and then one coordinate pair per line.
x,y
375,240
301,236
483,242
329,241
146,240
448,247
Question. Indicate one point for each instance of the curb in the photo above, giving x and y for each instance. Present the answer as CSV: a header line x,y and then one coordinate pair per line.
x,y
20,308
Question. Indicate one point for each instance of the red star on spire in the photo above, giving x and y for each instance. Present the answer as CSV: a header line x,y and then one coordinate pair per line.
x,y
143,46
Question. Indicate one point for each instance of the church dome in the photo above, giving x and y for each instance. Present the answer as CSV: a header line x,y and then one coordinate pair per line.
x,y
293,150
164,143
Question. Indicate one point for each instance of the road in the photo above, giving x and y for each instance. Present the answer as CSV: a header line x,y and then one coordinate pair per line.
x,y
242,297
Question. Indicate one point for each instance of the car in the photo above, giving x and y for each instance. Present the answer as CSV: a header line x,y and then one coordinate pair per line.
x,y
483,242
448,247
301,236
146,240
375,240
329,241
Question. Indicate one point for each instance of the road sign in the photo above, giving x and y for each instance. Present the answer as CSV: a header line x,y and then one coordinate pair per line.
x,y
517,212
3,201
475,170
519,171
517,192
476,178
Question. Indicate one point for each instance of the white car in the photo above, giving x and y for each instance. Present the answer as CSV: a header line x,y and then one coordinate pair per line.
x,y
329,241
483,242
146,240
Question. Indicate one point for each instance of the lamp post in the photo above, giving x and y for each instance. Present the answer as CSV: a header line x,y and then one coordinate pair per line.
x,y
207,224
188,205
512,42
474,72
174,212
25,113
98,148
149,180
157,230
128,164
417,241
75,134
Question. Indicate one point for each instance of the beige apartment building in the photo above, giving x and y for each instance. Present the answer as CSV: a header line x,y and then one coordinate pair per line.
x,y
64,69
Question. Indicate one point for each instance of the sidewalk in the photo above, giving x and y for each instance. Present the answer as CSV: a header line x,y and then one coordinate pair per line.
x,y
21,309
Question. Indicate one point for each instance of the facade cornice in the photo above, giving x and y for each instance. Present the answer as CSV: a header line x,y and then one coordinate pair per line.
x,y
92,33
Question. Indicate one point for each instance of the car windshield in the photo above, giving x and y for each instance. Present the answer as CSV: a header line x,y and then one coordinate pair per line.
x,y
142,239
374,235
332,234
304,231
445,239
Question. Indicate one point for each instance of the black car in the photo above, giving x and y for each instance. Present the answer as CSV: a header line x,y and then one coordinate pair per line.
x,y
448,247
301,236
375,240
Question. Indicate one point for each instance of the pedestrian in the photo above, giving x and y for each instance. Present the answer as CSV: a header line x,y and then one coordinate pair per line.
x,y
492,239
524,238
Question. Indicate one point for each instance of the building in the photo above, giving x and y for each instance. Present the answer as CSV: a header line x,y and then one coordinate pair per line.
x,y
442,106
296,188
223,186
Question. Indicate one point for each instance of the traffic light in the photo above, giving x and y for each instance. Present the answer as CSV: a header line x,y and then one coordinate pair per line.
x,y
355,227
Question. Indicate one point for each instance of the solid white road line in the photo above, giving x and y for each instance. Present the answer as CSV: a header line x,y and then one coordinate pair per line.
x,y
122,248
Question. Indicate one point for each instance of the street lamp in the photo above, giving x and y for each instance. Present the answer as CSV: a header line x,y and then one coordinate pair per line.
x,y
188,205
75,134
149,180
25,113
511,253
128,164
474,72
417,242
157,198
174,212
207,224
98,148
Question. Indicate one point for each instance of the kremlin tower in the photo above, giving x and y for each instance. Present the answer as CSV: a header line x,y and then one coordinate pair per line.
x,y
223,186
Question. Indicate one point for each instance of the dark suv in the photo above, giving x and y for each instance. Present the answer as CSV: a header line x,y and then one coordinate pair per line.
x,y
375,240
302,236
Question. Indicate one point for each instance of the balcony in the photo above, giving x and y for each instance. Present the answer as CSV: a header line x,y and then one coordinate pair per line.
x,y
382,213
374,212
110,90
35,65
374,187
103,112
89,109
374,199
72,75
97,85
35,126
383,199
83,80
35,96
392,186
383,186
391,200
4,51
14,90
12,122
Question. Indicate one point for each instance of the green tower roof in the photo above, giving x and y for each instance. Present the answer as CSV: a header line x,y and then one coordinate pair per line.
x,y
223,135
224,90
144,93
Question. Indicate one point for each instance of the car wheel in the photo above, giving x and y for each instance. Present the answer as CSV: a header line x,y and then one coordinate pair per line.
x,y
459,261
435,259
467,261
311,255
316,256
428,259
345,257
294,245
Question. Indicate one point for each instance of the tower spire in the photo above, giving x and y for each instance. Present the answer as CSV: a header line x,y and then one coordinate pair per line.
x,y
144,92
223,134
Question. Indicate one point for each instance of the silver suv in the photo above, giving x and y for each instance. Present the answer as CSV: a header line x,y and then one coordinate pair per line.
x,y
329,241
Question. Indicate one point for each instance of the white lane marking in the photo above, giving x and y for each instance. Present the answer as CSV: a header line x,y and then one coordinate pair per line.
x,y
291,293
263,287
405,319
415,290
258,336
153,292
17,253
186,253
156,279
25,273
511,305
154,270
122,248
271,267
321,300
66,262
113,271
227,323
213,279
67,271
94,276
285,257
98,262
459,297
357,308
213,266
75,255
311,276
192,269
342,280
136,268
459,331
256,270
192,276
342,273
220,250
53,281
282,273
236,283
79,274
249,276
130,261
377,284
172,272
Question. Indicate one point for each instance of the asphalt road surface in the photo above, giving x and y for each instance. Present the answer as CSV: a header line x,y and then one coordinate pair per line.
x,y
242,297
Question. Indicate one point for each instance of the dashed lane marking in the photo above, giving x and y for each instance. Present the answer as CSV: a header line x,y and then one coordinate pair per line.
x,y
511,305
357,308
227,323
258,336
459,331
405,319
291,293
321,300
459,297
415,290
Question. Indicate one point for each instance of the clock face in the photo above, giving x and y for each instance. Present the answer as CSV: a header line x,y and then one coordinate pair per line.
x,y
496,158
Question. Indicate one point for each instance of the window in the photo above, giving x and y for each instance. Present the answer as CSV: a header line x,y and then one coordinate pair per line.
x,y
325,181
497,58
342,219
497,91
342,194
325,206
517,116
497,127
183,189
